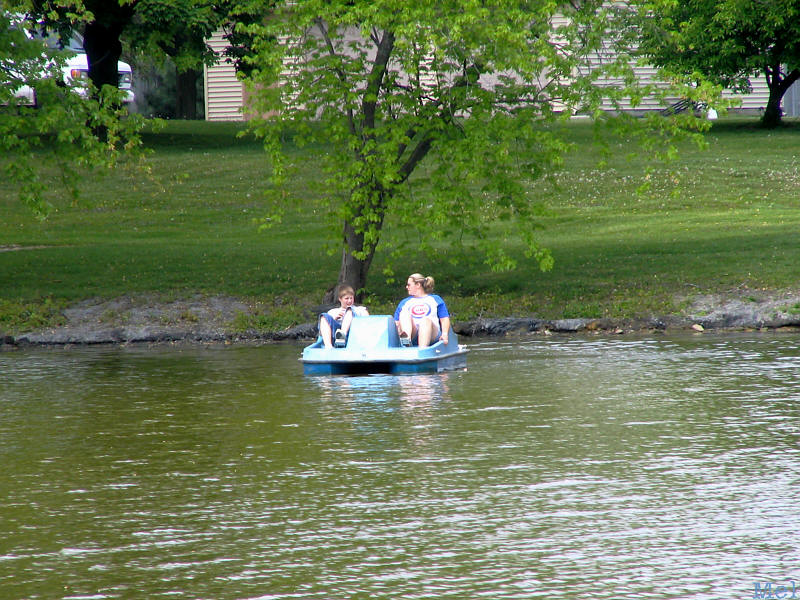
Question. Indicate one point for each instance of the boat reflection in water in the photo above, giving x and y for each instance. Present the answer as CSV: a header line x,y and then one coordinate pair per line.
x,y
378,406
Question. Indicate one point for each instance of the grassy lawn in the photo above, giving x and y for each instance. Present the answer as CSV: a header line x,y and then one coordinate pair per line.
x,y
715,221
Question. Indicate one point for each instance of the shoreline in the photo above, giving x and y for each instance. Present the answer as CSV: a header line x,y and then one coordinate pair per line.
x,y
205,320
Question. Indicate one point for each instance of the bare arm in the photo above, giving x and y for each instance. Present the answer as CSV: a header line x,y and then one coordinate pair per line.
x,y
445,324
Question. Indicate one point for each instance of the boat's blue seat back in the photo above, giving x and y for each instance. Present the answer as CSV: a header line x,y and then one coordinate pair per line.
x,y
373,332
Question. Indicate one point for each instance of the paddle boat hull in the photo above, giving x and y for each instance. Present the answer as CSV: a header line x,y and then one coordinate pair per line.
x,y
373,346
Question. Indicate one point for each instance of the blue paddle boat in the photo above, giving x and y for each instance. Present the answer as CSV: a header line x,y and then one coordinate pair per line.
x,y
373,346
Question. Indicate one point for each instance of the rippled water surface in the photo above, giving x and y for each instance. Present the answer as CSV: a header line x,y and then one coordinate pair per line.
x,y
552,468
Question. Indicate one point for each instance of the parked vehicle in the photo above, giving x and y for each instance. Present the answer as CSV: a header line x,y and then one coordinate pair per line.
x,y
75,70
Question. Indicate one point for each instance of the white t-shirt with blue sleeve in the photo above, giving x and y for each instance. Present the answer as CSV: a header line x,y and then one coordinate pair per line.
x,y
431,306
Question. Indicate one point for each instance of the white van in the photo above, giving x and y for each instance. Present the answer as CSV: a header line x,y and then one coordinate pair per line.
x,y
76,70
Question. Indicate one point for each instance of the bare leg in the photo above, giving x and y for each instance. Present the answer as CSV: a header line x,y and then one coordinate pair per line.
x,y
426,331
347,320
406,325
325,332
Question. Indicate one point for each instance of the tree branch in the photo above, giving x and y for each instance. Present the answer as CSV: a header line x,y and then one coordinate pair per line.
x,y
375,79
341,74
445,114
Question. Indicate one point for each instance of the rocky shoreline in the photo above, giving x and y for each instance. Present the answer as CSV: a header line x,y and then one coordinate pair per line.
x,y
210,320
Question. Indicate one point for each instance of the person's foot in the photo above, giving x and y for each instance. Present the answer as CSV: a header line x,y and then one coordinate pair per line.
x,y
339,340
405,340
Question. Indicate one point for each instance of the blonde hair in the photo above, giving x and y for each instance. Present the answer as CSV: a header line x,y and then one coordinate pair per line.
x,y
345,289
427,282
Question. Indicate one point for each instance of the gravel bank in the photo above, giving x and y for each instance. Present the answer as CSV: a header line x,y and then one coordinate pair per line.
x,y
130,320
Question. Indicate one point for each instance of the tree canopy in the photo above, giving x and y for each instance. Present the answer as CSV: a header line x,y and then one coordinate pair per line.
x,y
178,29
726,41
175,28
442,114
59,130
65,128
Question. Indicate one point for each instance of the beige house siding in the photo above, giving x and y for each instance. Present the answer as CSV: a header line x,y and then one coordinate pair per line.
x,y
225,97
224,93
647,75
791,101
755,100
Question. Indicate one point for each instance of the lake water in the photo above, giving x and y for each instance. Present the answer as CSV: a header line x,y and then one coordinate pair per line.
x,y
602,468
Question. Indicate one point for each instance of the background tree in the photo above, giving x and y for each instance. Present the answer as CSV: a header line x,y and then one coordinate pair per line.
x,y
100,22
178,29
175,28
430,107
57,133
727,41
66,130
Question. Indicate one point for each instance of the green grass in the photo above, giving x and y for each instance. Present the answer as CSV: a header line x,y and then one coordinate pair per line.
x,y
713,221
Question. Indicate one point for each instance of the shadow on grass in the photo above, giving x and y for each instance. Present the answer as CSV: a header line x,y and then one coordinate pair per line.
x,y
179,136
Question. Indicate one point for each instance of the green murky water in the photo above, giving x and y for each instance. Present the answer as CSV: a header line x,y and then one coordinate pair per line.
x,y
552,468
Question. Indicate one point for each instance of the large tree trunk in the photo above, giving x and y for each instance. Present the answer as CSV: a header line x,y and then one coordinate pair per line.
x,y
369,201
187,94
772,113
358,253
103,50
353,271
101,41
778,86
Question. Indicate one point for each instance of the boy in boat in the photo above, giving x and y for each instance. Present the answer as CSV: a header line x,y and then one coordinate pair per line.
x,y
334,324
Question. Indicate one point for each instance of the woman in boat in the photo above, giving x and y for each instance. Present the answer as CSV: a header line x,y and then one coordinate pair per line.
x,y
334,324
422,318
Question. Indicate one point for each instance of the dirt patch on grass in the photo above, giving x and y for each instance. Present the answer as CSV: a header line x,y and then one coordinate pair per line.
x,y
204,319
746,309
737,310
16,248
131,319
